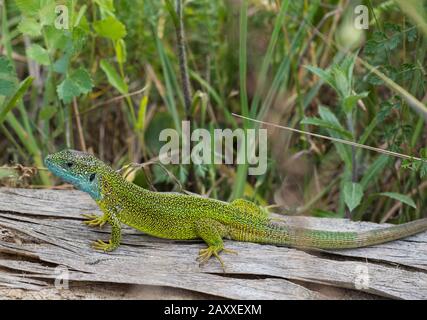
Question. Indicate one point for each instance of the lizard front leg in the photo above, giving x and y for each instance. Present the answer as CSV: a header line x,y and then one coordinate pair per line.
x,y
212,232
116,236
93,220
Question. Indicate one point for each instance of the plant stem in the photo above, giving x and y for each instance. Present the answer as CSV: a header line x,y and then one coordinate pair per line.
x,y
182,56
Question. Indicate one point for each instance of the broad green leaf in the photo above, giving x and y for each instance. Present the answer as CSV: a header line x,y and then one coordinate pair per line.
x,y
400,197
30,26
28,7
110,28
38,54
6,66
323,75
9,104
77,83
67,90
7,77
113,77
328,125
349,102
47,13
6,87
82,78
56,38
353,193
61,65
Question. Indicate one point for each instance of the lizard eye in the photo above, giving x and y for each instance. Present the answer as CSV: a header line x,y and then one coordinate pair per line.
x,y
92,177
69,164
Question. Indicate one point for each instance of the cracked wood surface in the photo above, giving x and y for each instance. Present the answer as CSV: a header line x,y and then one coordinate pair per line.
x,y
42,229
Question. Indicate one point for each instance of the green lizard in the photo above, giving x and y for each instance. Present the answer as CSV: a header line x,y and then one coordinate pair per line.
x,y
181,216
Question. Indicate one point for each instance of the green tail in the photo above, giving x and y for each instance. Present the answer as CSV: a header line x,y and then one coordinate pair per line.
x,y
308,238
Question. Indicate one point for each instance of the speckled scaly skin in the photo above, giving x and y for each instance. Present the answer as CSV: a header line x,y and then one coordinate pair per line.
x,y
181,216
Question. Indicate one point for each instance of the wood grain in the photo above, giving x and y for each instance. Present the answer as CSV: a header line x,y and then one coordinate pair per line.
x,y
41,230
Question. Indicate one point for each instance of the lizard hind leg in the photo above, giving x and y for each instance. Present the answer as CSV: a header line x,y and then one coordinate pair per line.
x,y
212,232
251,208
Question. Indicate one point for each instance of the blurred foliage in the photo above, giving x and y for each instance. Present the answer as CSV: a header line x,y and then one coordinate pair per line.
x,y
103,76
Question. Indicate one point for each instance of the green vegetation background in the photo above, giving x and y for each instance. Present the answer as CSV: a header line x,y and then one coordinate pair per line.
x,y
113,80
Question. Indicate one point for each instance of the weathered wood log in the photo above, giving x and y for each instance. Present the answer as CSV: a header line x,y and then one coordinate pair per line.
x,y
42,229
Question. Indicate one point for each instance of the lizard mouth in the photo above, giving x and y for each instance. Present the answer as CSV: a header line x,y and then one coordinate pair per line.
x,y
60,172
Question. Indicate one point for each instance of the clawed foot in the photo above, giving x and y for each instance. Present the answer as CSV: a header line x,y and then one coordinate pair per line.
x,y
206,254
94,220
101,245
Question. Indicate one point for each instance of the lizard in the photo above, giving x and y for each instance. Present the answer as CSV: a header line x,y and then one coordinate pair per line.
x,y
181,216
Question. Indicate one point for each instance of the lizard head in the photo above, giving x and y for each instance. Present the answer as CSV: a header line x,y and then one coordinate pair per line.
x,y
81,169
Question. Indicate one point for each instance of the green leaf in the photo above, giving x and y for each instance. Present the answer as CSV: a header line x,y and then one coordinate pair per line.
x,y
347,65
47,13
328,125
47,112
326,114
171,9
114,78
106,5
80,17
8,105
373,172
400,197
56,38
30,26
411,35
110,28
6,87
349,102
120,47
341,82
6,66
82,78
77,83
423,170
141,113
325,76
61,65
7,77
353,193
343,150
67,90
28,7
38,54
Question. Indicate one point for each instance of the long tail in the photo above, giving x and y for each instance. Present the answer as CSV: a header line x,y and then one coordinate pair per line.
x,y
308,238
